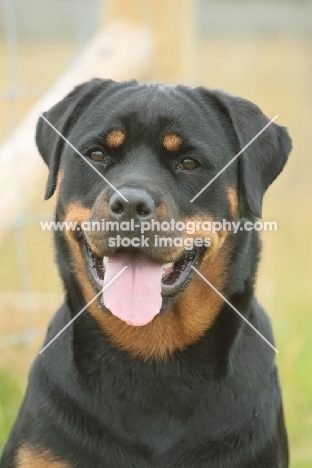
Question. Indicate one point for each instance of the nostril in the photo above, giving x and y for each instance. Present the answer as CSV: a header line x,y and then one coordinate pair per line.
x,y
117,207
143,209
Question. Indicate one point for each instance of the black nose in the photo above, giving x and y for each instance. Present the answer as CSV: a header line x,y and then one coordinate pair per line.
x,y
140,205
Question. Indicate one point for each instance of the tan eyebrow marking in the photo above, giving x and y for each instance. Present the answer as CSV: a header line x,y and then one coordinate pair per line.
x,y
172,142
115,138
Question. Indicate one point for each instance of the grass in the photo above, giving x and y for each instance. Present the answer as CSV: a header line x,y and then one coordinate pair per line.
x,y
274,72
11,392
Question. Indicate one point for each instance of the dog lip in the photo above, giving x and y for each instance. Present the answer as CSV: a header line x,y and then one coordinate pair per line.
x,y
182,270
187,260
94,265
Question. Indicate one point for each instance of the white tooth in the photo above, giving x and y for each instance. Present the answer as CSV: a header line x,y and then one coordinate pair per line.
x,y
105,260
167,265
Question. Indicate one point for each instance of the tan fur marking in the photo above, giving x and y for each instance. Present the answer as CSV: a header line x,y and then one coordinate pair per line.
x,y
59,179
172,142
217,238
115,138
232,196
76,213
183,324
180,326
28,458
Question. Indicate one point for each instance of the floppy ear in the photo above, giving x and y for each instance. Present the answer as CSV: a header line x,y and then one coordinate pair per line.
x,y
266,156
62,116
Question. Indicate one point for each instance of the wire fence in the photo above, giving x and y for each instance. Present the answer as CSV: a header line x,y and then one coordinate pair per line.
x,y
53,33
45,38
30,22
260,50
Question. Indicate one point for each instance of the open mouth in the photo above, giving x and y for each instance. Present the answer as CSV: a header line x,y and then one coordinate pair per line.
x,y
145,288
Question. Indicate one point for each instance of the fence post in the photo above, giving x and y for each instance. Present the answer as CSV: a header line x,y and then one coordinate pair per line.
x,y
173,24
175,34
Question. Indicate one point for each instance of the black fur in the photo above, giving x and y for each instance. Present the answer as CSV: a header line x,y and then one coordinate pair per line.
x,y
215,404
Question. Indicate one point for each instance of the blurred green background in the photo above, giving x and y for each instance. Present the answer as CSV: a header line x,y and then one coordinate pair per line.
x,y
259,50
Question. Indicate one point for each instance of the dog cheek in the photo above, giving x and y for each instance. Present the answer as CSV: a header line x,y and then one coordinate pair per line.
x,y
233,201
29,458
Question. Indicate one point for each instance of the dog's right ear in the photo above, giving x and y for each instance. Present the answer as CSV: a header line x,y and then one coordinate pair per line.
x,y
62,116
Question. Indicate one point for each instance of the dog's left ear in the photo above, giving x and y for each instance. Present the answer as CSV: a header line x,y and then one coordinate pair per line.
x,y
266,156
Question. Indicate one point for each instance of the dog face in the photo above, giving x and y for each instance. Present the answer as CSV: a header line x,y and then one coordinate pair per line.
x,y
156,147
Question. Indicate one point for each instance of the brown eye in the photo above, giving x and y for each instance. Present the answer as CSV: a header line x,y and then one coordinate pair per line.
x,y
96,155
188,164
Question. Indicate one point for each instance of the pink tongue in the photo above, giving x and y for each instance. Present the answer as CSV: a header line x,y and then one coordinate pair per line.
x,y
135,296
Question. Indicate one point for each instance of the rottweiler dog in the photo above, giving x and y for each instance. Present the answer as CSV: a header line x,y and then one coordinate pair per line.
x,y
158,370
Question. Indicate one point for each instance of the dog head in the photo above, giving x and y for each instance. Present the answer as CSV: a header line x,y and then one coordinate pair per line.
x,y
129,162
